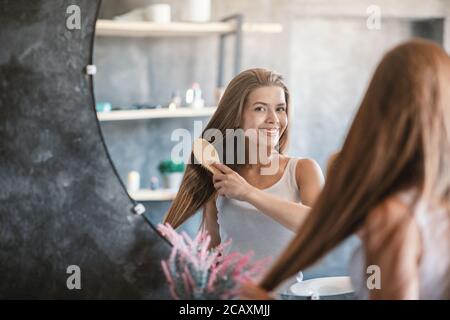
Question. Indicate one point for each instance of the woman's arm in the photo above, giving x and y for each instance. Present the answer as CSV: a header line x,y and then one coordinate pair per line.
x,y
391,241
210,222
310,180
290,214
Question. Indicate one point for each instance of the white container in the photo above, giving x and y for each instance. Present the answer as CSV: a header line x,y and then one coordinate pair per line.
x,y
134,181
194,97
196,11
173,180
158,13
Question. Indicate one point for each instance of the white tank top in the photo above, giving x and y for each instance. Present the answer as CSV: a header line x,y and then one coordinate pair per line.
x,y
434,269
251,230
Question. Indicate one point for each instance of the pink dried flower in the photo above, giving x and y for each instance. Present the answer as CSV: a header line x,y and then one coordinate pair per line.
x,y
193,271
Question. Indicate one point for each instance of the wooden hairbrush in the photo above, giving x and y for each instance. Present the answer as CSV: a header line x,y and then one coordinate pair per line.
x,y
206,155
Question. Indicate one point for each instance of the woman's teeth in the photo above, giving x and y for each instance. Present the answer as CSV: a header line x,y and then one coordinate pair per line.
x,y
271,131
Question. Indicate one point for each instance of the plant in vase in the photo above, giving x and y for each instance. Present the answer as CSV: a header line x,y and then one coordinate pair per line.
x,y
194,272
172,173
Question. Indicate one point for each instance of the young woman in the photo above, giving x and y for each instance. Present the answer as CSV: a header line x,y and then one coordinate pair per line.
x,y
390,183
255,103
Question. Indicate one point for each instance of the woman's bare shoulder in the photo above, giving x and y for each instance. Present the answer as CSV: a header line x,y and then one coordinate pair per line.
x,y
391,212
391,222
308,165
308,169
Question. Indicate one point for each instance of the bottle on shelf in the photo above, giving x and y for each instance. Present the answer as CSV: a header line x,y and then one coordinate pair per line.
x,y
175,101
154,183
194,97
134,181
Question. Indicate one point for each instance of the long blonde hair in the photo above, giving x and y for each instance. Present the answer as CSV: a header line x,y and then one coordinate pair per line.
x,y
399,139
197,187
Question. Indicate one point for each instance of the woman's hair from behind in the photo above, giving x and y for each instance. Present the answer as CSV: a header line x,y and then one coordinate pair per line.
x,y
197,186
399,139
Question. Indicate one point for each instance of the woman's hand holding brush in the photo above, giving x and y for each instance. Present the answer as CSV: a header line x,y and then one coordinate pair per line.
x,y
230,184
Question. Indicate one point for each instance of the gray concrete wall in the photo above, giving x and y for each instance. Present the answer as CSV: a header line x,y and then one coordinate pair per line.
x,y
326,53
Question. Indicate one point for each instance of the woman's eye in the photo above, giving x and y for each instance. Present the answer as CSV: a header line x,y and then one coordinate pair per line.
x,y
259,108
281,109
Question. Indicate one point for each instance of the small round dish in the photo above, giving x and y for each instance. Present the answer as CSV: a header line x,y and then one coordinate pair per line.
x,y
322,288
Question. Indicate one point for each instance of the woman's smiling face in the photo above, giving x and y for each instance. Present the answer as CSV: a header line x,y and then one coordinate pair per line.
x,y
266,112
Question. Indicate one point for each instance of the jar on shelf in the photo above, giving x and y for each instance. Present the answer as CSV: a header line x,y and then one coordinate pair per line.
x,y
133,181
158,13
196,10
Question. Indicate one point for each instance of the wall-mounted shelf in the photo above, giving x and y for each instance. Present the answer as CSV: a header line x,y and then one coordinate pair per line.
x,y
155,113
229,26
154,195
150,29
